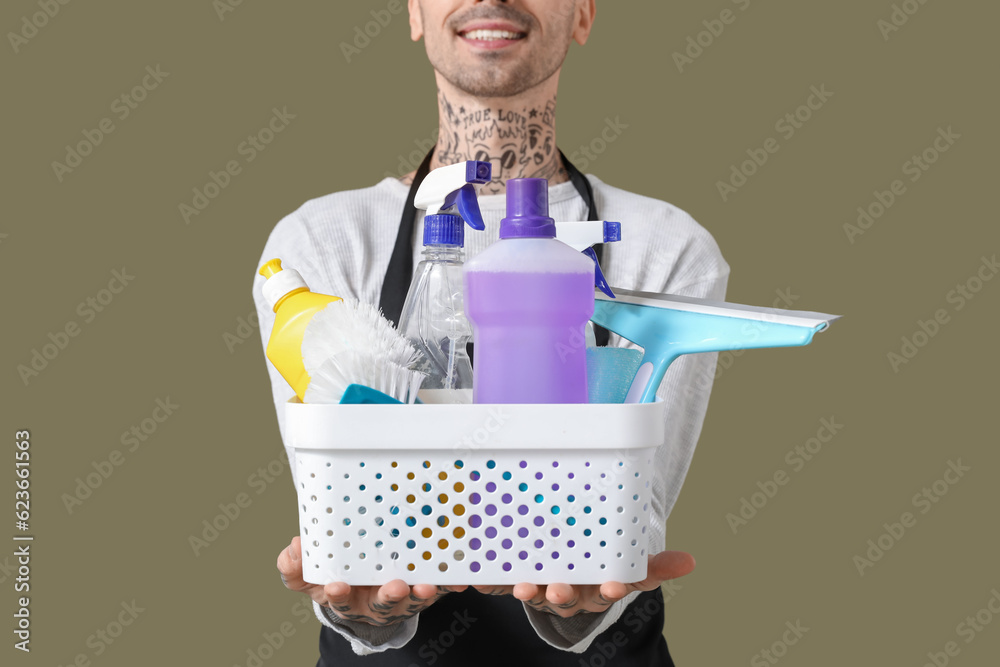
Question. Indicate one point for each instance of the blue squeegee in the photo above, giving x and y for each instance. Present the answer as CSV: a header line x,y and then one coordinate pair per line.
x,y
667,326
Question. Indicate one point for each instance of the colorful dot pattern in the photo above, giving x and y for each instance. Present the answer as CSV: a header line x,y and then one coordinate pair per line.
x,y
500,517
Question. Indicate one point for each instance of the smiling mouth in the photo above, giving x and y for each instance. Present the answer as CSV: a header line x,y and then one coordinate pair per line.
x,y
491,35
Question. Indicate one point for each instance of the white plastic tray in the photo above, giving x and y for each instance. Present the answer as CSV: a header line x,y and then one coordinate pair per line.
x,y
474,494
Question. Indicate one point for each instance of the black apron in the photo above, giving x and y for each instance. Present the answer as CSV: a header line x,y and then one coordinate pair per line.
x,y
470,629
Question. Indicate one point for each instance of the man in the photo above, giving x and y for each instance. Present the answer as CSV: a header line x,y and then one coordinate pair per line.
x,y
497,67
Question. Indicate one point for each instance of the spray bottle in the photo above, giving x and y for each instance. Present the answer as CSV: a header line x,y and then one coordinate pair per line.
x,y
433,317
529,297
294,306
582,236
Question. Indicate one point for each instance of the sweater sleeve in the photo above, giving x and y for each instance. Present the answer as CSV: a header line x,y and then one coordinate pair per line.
x,y
366,639
698,271
290,242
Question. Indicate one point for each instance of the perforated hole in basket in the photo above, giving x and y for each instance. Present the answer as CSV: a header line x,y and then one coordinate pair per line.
x,y
480,513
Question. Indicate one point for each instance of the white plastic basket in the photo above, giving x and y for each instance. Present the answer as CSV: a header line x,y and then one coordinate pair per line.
x,y
474,494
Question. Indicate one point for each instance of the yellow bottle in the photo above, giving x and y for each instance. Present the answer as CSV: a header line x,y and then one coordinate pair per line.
x,y
294,306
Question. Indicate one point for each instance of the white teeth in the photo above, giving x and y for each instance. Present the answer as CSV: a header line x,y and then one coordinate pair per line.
x,y
487,35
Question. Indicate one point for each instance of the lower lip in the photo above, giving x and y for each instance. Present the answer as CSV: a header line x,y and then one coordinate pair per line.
x,y
491,44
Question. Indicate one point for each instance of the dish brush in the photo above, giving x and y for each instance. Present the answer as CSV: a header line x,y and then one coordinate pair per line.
x,y
350,342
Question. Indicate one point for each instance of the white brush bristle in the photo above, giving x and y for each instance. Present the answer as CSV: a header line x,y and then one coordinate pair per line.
x,y
349,342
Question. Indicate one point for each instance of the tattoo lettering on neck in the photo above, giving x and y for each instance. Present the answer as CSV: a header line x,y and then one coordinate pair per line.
x,y
519,142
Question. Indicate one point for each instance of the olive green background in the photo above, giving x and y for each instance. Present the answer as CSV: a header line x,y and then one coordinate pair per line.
x,y
169,333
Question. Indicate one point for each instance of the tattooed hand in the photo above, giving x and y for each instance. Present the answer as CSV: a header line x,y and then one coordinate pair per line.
x,y
376,605
565,600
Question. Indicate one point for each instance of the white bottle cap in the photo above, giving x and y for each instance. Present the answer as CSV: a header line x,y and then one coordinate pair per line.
x,y
280,282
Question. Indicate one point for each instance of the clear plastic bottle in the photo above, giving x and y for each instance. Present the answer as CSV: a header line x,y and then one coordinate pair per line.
x,y
433,317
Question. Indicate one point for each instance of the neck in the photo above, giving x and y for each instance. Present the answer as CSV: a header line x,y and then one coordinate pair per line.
x,y
516,134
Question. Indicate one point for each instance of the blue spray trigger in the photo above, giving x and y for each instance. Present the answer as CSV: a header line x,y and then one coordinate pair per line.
x,y
454,185
599,280
468,206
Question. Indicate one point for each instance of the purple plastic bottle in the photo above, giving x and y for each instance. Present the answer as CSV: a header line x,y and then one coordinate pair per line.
x,y
529,297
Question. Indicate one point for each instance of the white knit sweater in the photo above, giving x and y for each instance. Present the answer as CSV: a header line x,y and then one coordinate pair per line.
x,y
341,244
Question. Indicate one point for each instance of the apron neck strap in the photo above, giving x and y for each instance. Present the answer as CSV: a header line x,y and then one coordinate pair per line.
x,y
582,186
400,271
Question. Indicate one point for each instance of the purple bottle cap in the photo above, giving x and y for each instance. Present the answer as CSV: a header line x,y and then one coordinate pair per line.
x,y
527,210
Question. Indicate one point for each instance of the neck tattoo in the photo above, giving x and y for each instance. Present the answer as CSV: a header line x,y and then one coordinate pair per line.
x,y
519,140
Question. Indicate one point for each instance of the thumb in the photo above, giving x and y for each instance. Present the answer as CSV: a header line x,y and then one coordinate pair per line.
x,y
671,565
664,566
290,565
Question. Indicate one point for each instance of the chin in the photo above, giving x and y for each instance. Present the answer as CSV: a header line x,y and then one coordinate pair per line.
x,y
491,76
490,87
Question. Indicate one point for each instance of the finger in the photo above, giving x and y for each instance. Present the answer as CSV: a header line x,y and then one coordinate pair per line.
x,y
290,566
452,589
337,592
612,591
530,593
663,566
392,592
561,595
424,591
672,565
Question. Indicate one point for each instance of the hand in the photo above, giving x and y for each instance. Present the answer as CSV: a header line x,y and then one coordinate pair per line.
x,y
565,600
376,605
